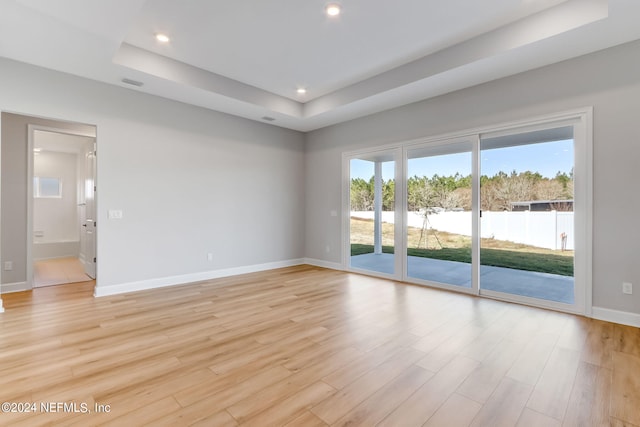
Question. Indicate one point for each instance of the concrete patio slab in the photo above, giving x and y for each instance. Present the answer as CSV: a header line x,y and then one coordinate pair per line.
x,y
551,287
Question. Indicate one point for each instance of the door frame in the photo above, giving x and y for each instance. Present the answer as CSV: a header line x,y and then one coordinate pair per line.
x,y
582,121
31,128
583,206
432,145
396,152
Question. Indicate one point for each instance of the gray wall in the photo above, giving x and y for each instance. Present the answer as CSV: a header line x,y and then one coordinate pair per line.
x,y
183,175
188,180
607,80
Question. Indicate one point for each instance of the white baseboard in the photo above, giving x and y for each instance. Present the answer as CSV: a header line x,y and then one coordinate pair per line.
x,y
142,285
324,264
7,288
55,250
615,316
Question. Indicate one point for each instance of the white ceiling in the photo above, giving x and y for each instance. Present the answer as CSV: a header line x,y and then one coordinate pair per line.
x,y
247,58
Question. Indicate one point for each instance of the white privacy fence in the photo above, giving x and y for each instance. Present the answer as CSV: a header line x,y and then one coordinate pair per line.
x,y
541,229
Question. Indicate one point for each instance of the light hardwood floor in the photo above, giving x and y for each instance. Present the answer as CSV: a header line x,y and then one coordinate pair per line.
x,y
58,271
304,346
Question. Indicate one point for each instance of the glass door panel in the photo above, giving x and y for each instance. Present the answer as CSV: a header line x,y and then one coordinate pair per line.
x,y
372,213
439,217
527,221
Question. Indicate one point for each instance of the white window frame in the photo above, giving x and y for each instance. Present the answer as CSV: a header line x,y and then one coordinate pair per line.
x,y
582,122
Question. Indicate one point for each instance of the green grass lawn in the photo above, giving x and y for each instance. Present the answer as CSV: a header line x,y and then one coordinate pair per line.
x,y
541,262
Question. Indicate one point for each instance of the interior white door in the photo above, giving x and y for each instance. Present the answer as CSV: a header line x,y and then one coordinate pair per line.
x,y
90,226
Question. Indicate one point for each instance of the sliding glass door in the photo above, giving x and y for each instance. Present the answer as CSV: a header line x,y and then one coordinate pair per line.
x,y
372,213
527,225
440,213
503,213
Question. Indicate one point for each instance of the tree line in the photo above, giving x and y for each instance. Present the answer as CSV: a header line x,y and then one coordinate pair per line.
x,y
454,192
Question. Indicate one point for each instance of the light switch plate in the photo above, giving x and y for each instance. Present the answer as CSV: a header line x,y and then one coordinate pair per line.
x,y
115,214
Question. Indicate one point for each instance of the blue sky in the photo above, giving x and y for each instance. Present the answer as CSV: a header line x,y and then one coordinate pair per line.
x,y
546,158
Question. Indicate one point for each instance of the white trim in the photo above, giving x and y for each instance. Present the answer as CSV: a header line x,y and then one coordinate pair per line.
x,y
530,301
345,231
30,173
386,148
534,123
399,213
394,153
162,282
371,273
441,286
377,207
31,128
8,288
561,118
55,250
324,264
476,210
1,307
588,210
582,124
616,316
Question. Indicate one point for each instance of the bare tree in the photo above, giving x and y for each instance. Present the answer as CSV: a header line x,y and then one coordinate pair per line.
x,y
449,200
463,196
549,190
502,191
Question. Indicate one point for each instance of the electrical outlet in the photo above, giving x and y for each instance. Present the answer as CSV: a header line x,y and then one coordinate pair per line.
x,y
627,288
8,265
209,257
327,249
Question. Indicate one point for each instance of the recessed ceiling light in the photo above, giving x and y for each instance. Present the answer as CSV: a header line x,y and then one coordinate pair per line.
x,y
162,38
37,150
301,91
333,9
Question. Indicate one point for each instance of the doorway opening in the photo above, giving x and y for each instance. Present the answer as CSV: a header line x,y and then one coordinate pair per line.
x,y
62,207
